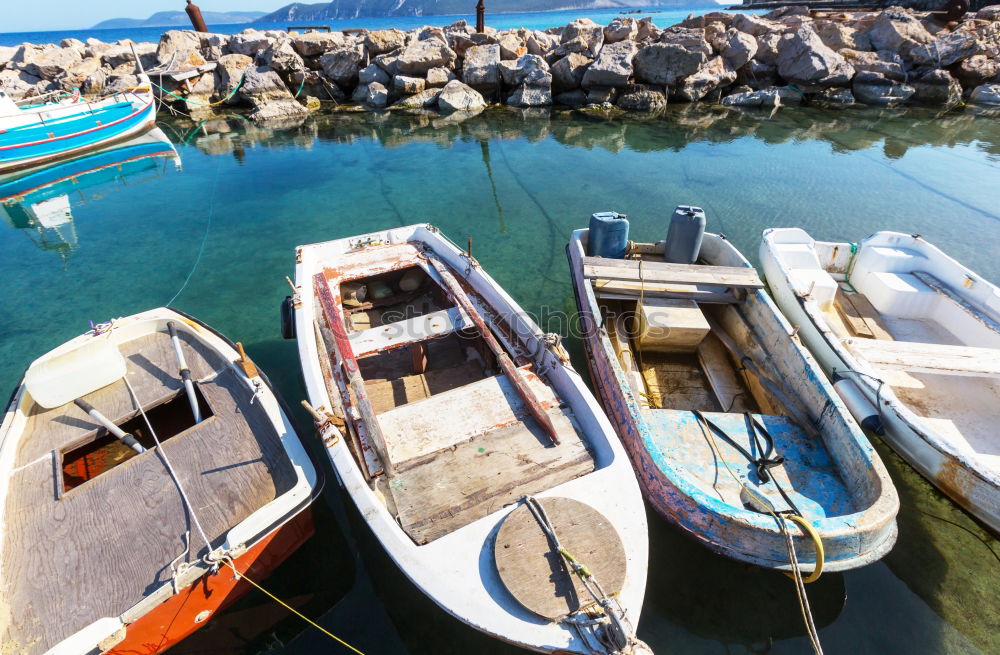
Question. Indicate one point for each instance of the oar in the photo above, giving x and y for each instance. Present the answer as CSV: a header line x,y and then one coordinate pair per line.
x,y
185,372
122,436
511,371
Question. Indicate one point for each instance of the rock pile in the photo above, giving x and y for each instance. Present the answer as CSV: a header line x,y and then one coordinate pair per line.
x,y
789,56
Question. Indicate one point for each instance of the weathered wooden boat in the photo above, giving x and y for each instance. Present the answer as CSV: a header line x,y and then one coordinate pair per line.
x,y
141,462
912,338
39,134
473,449
727,418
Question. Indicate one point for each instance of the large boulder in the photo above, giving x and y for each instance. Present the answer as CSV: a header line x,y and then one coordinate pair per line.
x,y
574,98
425,98
250,43
313,44
115,55
229,73
767,48
621,29
885,63
837,35
178,46
19,84
714,74
481,68
582,35
511,46
613,66
421,56
804,60
666,63
947,50
738,48
48,62
342,66
76,75
874,89
267,93
438,77
639,97
527,69
567,73
754,25
987,95
757,76
456,96
282,57
530,96
687,37
403,85
977,70
898,31
937,87
541,44
376,96
380,42
371,74
835,98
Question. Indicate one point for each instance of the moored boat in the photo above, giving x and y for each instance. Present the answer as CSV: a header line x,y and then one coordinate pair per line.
x,y
735,434
473,450
39,134
141,463
912,338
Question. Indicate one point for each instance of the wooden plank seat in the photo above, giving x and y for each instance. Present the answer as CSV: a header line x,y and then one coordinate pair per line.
x,y
964,304
413,330
422,428
861,316
928,357
631,270
632,290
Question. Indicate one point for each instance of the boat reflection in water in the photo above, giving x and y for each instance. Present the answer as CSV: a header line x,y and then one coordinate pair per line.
x,y
40,201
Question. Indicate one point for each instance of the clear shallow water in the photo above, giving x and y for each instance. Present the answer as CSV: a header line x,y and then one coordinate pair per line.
x,y
664,17
518,185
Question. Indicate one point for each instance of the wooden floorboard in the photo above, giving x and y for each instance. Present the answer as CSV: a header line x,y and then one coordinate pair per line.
x,y
482,475
102,546
860,316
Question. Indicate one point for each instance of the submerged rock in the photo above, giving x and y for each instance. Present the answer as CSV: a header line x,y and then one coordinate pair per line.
x,y
987,95
874,89
456,96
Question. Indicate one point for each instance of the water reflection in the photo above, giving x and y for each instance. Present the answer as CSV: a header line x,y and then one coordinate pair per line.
x,y
40,201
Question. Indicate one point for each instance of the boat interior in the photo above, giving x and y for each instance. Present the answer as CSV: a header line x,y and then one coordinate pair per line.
x,y
76,493
458,438
933,344
682,335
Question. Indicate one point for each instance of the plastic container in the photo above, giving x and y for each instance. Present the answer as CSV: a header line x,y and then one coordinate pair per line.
x,y
608,236
687,228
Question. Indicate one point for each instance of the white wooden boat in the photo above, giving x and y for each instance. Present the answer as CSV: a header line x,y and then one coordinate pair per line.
x,y
916,337
100,550
736,425
399,334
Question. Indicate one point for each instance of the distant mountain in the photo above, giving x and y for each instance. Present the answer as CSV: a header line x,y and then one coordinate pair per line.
x,y
180,19
367,8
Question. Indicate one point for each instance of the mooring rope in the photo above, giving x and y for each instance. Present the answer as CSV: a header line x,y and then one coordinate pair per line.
x,y
202,104
204,239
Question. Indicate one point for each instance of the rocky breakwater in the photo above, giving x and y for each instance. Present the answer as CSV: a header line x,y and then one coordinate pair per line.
x,y
790,56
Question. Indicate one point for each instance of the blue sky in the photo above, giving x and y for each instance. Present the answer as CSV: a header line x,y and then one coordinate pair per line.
x,y
39,15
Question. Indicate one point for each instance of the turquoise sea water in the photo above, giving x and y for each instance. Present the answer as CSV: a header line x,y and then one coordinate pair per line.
x,y
662,16
223,229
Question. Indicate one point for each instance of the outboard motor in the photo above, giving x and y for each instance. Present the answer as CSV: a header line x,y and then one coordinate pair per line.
x,y
608,236
687,227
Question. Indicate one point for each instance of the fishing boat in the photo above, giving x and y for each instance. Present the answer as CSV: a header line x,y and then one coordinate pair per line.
x,y
144,464
473,449
40,200
912,339
736,436
39,134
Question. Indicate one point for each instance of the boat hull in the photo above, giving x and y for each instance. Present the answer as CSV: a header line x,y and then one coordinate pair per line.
x,y
950,471
849,541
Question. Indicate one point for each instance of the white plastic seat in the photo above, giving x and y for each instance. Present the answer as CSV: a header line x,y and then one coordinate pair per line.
x,y
901,295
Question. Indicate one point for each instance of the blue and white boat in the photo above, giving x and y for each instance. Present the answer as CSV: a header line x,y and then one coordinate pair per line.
x,y
39,134
735,433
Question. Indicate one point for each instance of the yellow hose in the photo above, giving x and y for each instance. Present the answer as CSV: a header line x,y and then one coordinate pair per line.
x,y
808,529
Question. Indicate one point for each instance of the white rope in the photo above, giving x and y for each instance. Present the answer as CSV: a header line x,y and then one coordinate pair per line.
x,y
204,239
173,474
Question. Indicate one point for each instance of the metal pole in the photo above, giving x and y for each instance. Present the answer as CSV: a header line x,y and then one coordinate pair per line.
x,y
480,16
195,15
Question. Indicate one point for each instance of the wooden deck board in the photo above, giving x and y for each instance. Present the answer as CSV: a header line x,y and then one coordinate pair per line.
x,y
482,475
631,270
928,357
861,318
104,545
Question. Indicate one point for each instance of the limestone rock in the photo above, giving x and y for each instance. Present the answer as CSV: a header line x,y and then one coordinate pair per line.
x,y
95,83
770,97
425,98
541,44
874,89
19,84
432,34
389,62
585,32
380,42
714,74
75,75
990,13
757,76
977,70
120,83
613,66
372,73
249,42
647,30
456,96
621,29
804,60
511,46
767,48
884,63
836,98
403,85
666,63
527,69
987,95
229,73
599,95
574,98
481,68
738,49
178,46
898,31
421,56
47,62
530,96
754,25
946,50
438,77
116,55
638,97
567,73
313,44
376,96
282,57
937,87
692,39
342,66
837,35
264,89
